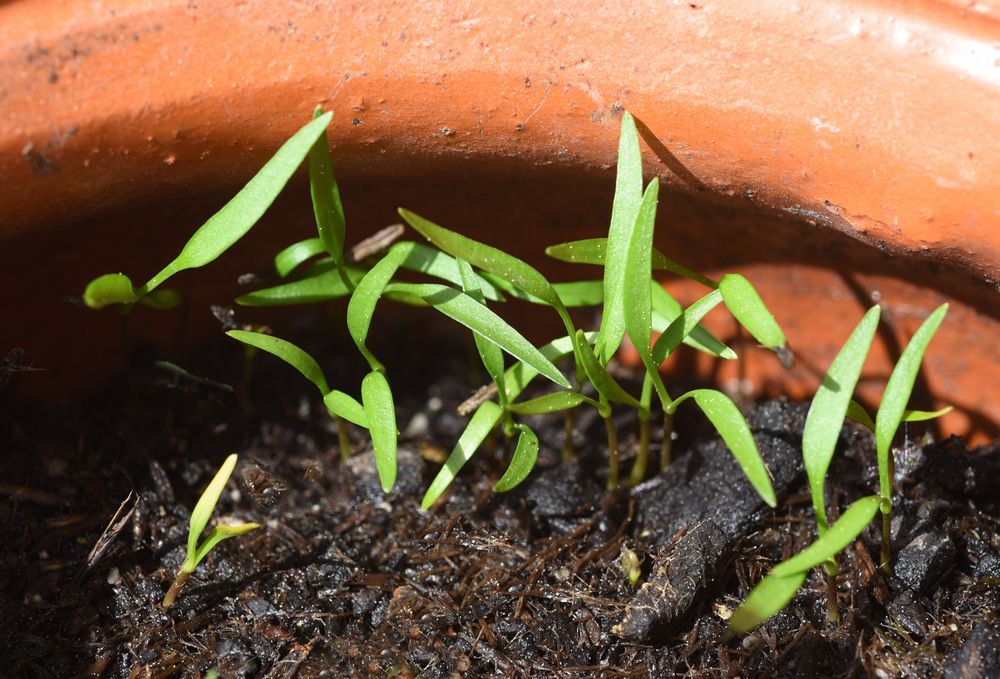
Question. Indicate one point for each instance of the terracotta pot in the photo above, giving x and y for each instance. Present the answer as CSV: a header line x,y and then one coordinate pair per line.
x,y
834,152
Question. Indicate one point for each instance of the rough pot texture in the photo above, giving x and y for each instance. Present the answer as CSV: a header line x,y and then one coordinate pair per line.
x,y
837,153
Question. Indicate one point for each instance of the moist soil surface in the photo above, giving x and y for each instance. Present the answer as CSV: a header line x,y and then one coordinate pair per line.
x,y
344,581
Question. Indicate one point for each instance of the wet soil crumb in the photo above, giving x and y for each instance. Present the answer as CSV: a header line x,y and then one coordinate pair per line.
x,y
343,581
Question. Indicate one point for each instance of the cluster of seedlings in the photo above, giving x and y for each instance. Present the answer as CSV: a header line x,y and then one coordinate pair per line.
x,y
475,277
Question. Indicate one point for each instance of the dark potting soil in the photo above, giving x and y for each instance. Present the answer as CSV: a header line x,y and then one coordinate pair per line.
x,y
343,581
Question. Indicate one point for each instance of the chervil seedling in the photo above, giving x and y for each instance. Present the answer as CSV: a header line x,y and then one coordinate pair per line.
x,y
199,520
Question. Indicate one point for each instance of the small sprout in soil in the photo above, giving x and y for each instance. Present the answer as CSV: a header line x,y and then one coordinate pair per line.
x,y
199,520
630,566
779,586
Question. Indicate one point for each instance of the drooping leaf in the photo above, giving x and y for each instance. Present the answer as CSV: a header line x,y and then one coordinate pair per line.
x,y
206,503
732,427
480,319
361,308
842,533
291,354
749,309
296,254
217,535
829,407
346,406
523,461
857,413
897,393
381,414
232,222
924,415
683,325
604,383
551,403
327,207
594,251
624,210
111,288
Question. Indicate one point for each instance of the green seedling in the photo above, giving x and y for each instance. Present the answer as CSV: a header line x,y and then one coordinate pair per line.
x,y
779,586
892,412
341,406
629,562
199,520
825,420
223,229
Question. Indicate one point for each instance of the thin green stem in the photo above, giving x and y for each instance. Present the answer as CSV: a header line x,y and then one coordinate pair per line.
x,y
612,453
886,507
666,446
642,456
344,439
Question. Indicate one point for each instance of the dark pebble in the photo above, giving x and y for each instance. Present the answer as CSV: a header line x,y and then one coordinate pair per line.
x,y
922,563
979,656
908,610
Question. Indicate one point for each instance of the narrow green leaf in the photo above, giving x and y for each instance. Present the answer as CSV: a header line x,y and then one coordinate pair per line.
x,y
523,461
346,406
580,293
924,415
232,222
485,257
732,427
897,393
321,283
829,407
604,383
480,425
551,403
217,535
666,310
377,399
206,503
111,288
857,413
624,210
842,533
765,600
327,207
593,251
295,254
361,308
291,354
488,414
749,309
683,325
489,352
637,289
433,262
482,320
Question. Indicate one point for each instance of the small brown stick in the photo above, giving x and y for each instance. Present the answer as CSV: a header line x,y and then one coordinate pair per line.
x,y
108,537
377,242
481,395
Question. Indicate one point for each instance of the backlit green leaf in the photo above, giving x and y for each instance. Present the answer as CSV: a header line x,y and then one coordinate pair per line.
x,y
217,535
732,427
551,403
295,254
321,283
594,250
604,383
489,352
523,461
829,407
291,354
346,406
206,503
327,207
232,222
749,309
897,393
112,288
361,308
433,262
683,325
377,399
769,596
480,425
842,533
481,320
666,310
624,210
